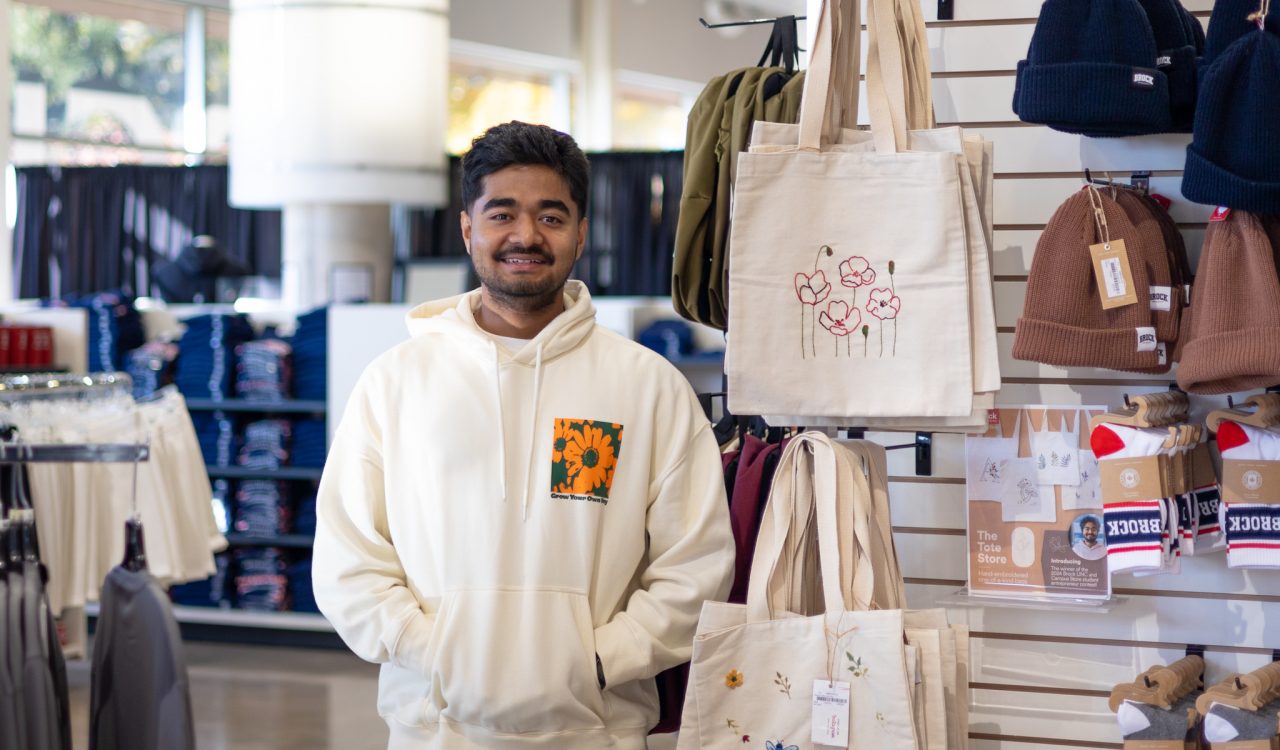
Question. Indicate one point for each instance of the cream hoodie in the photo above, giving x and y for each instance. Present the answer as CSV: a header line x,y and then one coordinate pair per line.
x,y
444,552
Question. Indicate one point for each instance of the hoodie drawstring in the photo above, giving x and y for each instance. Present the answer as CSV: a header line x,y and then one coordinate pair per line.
x,y
537,388
502,432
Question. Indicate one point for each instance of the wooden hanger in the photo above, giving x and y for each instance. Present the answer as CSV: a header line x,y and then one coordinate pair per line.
x,y
1250,691
1265,414
1150,410
1161,685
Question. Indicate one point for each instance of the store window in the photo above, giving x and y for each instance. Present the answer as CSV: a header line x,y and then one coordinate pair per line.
x,y
480,97
648,120
86,80
217,71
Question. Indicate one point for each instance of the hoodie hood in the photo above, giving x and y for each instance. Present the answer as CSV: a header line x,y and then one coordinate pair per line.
x,y
456,316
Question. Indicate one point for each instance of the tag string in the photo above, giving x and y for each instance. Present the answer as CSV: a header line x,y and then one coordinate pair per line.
x,y
1099,216
834,639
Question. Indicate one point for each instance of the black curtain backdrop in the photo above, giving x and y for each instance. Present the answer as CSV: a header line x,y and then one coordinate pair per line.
x,y
88,229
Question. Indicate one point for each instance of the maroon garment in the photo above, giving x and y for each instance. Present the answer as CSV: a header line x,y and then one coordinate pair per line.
x,y
746,507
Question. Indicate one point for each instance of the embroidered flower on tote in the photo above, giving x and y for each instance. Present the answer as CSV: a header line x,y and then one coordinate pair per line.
x,y
884,304
840,320
733,679
855,665
856,272
779,745
784,685
812,288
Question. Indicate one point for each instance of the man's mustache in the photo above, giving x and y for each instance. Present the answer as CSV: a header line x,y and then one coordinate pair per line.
x,y
538,252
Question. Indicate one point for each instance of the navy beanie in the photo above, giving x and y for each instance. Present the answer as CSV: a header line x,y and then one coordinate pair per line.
x,y
1175,57
1234,156
1229,22
1091,69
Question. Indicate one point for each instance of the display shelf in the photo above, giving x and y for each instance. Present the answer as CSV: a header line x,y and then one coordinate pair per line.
x,y
33,369
246,618
299,473
296,541
264,407
963,598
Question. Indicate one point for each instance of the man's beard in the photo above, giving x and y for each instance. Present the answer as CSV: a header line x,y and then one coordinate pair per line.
x,y
521,295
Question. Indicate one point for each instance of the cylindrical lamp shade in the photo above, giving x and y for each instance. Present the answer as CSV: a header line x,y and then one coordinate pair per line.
x,y
338,102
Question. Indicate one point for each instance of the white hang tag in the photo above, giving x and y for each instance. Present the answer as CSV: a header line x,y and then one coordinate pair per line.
x,y
1146,339
830,713
1161,298
1162,351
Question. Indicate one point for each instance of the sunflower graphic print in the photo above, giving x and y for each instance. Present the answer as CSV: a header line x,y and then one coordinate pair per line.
x,y
584,454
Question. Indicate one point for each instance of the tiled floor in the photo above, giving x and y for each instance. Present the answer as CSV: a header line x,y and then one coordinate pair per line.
x,y
259,698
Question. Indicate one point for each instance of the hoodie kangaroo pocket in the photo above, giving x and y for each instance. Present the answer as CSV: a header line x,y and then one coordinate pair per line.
x,y
517,661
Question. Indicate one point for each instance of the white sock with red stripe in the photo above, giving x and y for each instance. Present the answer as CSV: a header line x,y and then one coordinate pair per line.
x,y
1252,529
1134,529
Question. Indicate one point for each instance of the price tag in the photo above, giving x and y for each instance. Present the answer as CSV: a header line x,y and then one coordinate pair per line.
x,y
830,713
1114,276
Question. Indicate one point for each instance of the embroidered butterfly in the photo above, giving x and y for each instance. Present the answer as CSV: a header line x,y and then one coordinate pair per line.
x,y
779,745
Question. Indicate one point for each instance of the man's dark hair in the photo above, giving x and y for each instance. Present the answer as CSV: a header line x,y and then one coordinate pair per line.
x,y
518,143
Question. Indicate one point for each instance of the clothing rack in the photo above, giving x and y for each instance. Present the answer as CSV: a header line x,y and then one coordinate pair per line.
x,y
14,388
751,22
61,385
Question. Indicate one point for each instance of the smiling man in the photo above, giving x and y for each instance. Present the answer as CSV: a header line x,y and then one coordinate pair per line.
x,y
522,512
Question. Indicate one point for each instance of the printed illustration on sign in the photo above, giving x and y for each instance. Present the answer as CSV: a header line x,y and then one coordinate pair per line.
x,y
584,456
842,317
1038,536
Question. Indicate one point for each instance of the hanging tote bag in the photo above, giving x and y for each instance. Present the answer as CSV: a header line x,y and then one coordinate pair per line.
x,y
755,667
943,701
848,274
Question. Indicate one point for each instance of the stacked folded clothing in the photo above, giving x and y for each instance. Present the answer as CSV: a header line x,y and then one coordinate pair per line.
x,y
216,434
309,439
206,364
310,350
304,520
115,327
304,597
263,370
261,583
266,444
151,367
262,508
211,592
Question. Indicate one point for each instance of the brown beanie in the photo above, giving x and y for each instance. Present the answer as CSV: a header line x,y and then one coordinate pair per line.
x,y
1233,336
1062,321
1158,257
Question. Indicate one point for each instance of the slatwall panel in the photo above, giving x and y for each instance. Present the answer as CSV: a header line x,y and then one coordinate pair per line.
x,y
1040,678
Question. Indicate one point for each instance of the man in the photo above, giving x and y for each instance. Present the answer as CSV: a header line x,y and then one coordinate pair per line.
x,y
522,512
1089,548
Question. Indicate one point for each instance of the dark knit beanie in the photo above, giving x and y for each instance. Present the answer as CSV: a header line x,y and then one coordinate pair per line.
x,y
1176,57
1193,29
1091,69
1234,156
1229,22
1233,336
1062,321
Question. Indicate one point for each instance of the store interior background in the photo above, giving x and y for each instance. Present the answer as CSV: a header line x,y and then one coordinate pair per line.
x,y
620,75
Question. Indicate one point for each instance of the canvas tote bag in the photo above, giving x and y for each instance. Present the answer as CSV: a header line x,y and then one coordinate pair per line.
x,y
754,666
795,322
944,693
976,179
